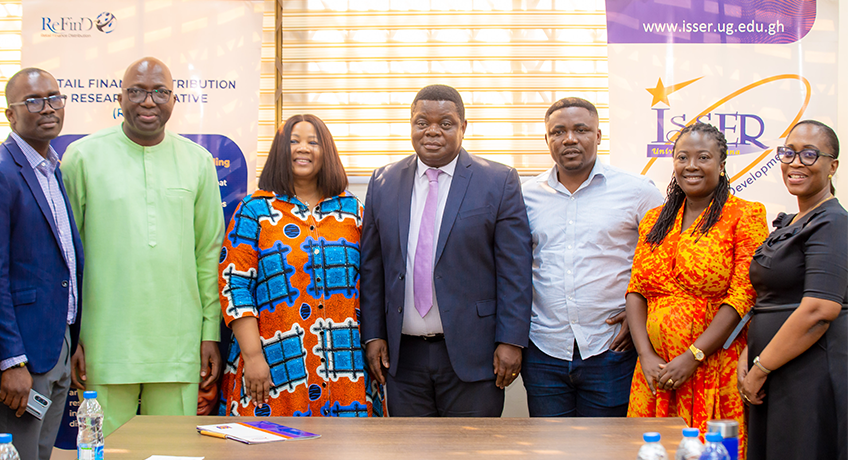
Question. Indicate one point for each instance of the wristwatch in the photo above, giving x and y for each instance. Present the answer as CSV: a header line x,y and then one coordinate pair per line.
x,y
698,354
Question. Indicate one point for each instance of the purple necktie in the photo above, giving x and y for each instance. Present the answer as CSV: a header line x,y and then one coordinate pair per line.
x,y
423,259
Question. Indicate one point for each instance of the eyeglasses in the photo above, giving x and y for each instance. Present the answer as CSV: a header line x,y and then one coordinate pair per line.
x,y
138,95
808,157
36,104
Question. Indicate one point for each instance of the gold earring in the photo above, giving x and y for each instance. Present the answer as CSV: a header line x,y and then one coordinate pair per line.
x,y
722,173
829,177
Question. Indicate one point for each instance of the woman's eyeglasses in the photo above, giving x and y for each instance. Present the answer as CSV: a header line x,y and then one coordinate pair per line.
x,y
808,157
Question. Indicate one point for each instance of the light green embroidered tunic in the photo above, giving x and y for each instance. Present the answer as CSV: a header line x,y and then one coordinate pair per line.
x,y
151,223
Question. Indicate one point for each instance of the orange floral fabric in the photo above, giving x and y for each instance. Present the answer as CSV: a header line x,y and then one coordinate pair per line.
x,y
685,280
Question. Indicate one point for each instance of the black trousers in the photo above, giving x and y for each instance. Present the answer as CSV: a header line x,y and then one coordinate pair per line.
x,y
426,385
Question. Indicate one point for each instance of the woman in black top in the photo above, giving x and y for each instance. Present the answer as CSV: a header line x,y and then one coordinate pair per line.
x,y
794,370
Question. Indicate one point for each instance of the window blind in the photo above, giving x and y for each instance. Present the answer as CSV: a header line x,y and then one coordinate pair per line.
x,y
358,65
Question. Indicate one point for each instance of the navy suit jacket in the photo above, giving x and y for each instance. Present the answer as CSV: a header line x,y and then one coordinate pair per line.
x,y
482,268
34,278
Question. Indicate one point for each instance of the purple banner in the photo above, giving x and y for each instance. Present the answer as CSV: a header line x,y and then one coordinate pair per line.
x,y
659,150
709,21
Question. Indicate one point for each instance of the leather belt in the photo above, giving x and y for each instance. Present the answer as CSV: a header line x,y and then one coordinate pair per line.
x,y
427,338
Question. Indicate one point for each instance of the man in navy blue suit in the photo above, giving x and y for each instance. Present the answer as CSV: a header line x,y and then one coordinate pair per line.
x,y
445,271
41,265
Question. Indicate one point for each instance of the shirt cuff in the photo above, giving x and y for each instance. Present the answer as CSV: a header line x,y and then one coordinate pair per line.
x,y
9,362
210,332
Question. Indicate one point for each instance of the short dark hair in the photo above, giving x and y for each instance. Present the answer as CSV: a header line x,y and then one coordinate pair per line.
x,y
831,139
14,79
440,93
277,172
572,102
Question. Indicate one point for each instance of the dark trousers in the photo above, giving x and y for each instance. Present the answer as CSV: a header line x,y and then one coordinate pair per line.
x,y
34,438
425,385
595,387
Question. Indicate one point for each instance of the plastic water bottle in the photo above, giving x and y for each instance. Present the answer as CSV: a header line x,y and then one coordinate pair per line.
x,y
691,447
714,448
7,450
729,430
652,448
90,428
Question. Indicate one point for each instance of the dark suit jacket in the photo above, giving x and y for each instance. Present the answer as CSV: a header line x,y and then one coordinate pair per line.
x,y
34,278
482,268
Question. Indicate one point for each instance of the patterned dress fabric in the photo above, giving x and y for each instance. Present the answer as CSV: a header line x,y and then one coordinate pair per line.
x,y
685,280
297,271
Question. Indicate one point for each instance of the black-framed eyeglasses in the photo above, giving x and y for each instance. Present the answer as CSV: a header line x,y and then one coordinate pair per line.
x,y
138,95
36,104
808,157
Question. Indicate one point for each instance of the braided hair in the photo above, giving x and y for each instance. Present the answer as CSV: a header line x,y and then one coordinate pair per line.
x,y
676,196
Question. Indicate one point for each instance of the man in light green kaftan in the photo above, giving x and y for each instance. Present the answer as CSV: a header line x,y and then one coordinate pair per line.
x,y
148,208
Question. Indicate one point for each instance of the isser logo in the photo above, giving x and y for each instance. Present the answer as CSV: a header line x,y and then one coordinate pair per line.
x,y
744,132
105,22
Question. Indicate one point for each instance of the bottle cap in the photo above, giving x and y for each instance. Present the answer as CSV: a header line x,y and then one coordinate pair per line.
x,y
651,437
726,428
89,394
690,432
713,436
5,438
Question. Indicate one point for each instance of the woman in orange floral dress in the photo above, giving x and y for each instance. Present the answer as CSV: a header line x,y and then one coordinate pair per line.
x,y
290,285
690,287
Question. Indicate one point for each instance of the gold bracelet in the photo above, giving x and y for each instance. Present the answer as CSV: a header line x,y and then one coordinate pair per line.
x,y
758,364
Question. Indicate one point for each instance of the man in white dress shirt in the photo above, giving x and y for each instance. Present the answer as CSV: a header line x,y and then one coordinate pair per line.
x,y
584,218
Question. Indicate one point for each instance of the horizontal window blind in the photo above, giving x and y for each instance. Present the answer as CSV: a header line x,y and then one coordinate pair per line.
x,y
358,65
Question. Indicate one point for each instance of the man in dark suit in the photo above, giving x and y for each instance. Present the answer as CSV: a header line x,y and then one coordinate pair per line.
x,y
445,271
41,265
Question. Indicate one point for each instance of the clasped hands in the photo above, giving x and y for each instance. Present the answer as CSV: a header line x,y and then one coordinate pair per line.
x,y
670,376
750,381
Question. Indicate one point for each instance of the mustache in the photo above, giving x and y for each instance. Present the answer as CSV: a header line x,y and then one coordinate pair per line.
x,y
48,119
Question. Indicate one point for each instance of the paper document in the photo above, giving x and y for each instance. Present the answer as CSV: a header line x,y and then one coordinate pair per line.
x,y
172,457
256,432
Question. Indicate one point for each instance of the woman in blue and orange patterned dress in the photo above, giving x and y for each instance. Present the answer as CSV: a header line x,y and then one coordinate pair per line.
x,y
289,285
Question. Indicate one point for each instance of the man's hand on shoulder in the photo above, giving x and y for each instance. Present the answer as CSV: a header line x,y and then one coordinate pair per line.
x,y
507,360
377,359
15,385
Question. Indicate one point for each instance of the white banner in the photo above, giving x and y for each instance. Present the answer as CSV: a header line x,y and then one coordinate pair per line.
x,y
213,50
750,68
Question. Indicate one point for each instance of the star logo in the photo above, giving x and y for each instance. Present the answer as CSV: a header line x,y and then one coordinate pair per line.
x,y
660,92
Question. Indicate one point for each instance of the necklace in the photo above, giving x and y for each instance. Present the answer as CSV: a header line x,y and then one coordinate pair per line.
x,y
799,215
307,202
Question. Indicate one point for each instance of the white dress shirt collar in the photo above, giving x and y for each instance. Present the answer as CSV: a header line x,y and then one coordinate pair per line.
x,y
448,169
599,169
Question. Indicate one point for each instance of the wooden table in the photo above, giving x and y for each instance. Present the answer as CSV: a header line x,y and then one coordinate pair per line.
x,y
394,438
